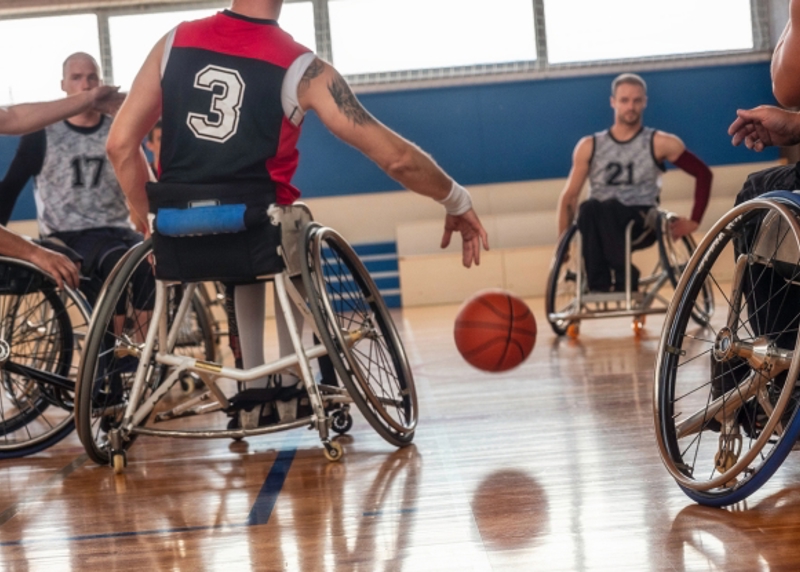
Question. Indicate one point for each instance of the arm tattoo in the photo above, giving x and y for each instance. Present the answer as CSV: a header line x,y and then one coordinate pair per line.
x,y
314,69
347,103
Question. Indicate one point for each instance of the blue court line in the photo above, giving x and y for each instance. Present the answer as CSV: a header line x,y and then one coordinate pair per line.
x,y
259,514
268,495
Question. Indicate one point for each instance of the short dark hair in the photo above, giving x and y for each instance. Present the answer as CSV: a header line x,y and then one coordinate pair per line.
x,y
156,126
630,78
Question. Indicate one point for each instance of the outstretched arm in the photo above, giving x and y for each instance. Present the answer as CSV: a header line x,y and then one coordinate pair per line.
x,y
765,126
325,91
568,200
57,265
27,117
136,117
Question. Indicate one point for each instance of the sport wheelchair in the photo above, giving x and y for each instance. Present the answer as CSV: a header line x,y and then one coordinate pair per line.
x,y
568,300
130,366
726,395
43,332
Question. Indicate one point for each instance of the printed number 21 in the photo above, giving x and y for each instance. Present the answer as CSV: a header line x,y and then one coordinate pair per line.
x,y
615,171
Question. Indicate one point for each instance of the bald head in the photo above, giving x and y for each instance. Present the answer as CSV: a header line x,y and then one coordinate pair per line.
x,y
80,72
79,56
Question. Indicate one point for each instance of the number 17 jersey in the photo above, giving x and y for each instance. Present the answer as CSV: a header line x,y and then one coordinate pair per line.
x,y
625,170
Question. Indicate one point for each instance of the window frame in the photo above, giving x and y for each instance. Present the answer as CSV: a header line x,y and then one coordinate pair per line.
x,y
433,77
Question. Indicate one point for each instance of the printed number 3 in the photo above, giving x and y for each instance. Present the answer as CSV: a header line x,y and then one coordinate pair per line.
x,y
221,123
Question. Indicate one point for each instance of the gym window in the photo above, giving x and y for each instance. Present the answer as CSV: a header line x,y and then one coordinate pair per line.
x,y
370,36
595,30
34,50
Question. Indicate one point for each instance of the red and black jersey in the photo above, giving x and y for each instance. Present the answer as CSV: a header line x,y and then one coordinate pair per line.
x,y
222,118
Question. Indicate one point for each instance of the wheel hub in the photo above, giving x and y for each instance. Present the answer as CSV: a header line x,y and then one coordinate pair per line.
x,y
5,351
723,346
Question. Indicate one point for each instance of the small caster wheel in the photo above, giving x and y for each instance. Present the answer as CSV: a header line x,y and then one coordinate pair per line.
x,y
119,462
638,326
188,383
333,451
724,460
341,422
573,330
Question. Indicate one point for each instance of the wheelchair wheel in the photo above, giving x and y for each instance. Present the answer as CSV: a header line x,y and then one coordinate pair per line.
x,y
42,331
562,283
356,327
725,401
117,332
674,256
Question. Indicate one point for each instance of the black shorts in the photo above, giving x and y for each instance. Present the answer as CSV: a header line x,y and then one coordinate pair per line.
x,y
101,249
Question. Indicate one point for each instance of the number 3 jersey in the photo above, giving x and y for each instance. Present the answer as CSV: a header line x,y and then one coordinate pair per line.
x,y
625,170
229,111
74,184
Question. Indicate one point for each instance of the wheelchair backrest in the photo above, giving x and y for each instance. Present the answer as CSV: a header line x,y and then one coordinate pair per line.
x,y
292,220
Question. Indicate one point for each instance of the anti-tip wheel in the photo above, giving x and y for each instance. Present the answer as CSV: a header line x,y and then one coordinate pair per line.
x,y
333,451
637,325
341,422
573,330
119,463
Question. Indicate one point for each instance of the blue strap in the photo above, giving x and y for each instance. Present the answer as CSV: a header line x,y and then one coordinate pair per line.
x,y
216,219
783,196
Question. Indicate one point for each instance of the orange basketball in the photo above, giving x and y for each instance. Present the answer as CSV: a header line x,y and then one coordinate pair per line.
x,y
495,330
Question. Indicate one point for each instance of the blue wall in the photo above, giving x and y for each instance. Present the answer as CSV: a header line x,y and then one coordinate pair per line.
x,y
519,130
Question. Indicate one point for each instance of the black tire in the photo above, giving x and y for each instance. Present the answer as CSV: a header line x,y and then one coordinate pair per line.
x,y
703,392
674,257
374,369
562,287
42,330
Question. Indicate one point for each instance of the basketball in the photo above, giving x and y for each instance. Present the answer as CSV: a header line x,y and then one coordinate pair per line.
x,y
495,331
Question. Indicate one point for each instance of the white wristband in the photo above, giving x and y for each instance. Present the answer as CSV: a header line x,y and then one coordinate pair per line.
x,y
458,201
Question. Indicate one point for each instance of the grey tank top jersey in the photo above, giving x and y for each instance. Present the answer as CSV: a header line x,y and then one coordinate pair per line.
x,y
76,188
626,171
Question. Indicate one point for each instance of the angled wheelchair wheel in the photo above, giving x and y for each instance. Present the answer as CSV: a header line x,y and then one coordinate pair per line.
x,y
726,401
42,331
674,256
562,283
116,336
356,327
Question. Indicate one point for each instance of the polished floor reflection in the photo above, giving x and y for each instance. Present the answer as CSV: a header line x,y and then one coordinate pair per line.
x,y
552,466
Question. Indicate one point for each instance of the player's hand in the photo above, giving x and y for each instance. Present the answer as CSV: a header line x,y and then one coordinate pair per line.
x,y
680,227
765,126
473,236
107,99
56,265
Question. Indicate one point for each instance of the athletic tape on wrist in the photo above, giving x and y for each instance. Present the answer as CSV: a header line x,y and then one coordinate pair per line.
x,y
458,201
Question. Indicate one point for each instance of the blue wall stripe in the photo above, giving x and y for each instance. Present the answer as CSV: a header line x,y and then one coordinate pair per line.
x,y
381,265
518,131
368,249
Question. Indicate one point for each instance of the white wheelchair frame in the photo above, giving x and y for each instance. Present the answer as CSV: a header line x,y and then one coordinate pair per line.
x,y
565,317
329,403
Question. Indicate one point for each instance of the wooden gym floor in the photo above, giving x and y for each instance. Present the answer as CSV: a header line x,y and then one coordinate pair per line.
x,y
552,466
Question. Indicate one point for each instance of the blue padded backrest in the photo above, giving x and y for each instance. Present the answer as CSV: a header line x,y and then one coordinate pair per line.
x,y
216,219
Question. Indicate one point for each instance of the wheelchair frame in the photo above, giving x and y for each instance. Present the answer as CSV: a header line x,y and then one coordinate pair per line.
x,y
344,281
585,305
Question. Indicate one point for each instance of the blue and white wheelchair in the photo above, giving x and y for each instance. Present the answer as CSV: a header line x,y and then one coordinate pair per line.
x,y
568,300
726,395
130,366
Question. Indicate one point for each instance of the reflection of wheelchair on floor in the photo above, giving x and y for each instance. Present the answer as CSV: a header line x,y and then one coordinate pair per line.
x,y
42,335
568,300
725,395
130,364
